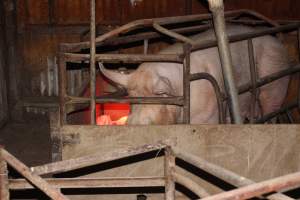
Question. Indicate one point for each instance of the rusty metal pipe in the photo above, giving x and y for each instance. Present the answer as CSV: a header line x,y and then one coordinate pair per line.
x,y
125,58
4,187
73,47
93,62
62,75
173,34
186,83
219,95
85,161
222,173
253,72
33,178
76,183
194,187
258,189
217,8
169,169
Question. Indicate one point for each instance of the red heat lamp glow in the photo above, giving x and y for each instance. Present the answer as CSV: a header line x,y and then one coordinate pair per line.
x,y
106,120
108,113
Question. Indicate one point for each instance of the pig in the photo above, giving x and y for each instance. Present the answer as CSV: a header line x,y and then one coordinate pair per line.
x,y
164,79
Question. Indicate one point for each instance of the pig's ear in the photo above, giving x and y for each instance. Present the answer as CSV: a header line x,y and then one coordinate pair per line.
x,y
116,77
163,86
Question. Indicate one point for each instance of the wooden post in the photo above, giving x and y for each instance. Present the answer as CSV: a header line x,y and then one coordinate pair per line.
x,y
4,190
169,170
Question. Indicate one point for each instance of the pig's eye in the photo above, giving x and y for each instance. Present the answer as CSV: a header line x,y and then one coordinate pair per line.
x,y
161,93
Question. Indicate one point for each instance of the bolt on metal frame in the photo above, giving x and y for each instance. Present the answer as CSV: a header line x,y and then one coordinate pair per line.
x,y
66,54
246,188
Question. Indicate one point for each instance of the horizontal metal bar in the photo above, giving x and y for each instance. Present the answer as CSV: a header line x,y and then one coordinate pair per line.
x,y
62,183
127,58
72,47
133,100
85,161
239,37
151,35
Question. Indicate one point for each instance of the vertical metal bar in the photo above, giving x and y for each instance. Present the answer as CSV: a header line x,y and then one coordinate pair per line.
x,y
4,189
146,46
253,72
62,88
186,83
290,117
92,62
298,33
169,171
217,8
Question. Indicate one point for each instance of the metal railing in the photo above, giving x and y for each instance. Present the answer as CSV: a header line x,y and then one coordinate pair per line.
x,y
67,55
246,188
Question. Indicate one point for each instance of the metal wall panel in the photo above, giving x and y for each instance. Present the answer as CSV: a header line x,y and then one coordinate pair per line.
x,y
66,12
3,91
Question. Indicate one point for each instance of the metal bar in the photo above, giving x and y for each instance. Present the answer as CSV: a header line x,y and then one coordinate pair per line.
x,y
33,178
222,173
146,46
217,8
147,35
173,34
186,83
169,170
275,113
267,79
92,63
72,47
4,187
253,72
133,100
194,187
212,43
126,58
115,182
298,34
219,94
98,158
62,88
257,189
290,117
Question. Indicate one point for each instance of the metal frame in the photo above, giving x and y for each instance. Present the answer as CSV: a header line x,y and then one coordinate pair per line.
x,y
51,186
67,55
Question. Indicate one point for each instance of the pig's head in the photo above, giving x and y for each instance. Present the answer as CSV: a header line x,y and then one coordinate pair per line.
x,y
146,82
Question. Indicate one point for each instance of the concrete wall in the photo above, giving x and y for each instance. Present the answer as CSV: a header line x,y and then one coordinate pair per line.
x,y
258,152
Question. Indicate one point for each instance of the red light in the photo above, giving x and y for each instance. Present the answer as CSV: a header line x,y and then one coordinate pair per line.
x,y
106,120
